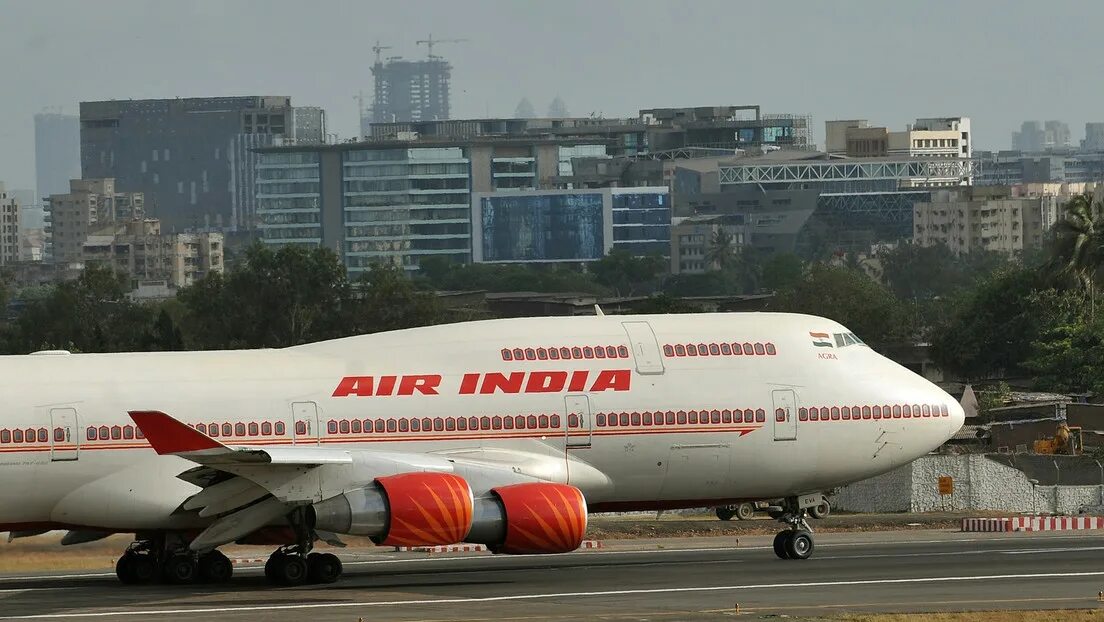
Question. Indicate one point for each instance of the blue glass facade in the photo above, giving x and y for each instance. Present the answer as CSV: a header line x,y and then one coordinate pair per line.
x,y
289,198
550,227
642,222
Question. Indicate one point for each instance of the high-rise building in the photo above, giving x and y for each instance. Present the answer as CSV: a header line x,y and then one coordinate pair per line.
x,y
9,228
945,137
186,154
1094,137
1035,137
411,90
57,152
72,217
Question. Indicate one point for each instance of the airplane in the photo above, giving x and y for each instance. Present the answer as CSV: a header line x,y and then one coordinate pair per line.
x,y
503,432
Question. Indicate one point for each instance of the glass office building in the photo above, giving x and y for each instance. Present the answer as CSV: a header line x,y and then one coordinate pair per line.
x,y
641,220
289,198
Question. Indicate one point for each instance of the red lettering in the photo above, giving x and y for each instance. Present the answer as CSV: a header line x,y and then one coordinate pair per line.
x,y
360,386
546,381
386,385
493,381
612,379
426,385
578,381
468,384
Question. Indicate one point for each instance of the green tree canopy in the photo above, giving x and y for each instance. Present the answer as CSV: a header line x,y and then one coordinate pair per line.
x,y
628,275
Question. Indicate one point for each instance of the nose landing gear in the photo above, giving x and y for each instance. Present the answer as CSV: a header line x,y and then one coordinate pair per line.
x,y
796,542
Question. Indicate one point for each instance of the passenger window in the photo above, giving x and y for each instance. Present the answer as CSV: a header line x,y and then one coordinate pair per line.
x,y
354,427
624,419
681,417
542,421
239,429
17,436
128,433
5,436
680,350
380,425
760,415
670,417
450,424
342,427
462,424
415,425
693,417
392,425
599,352
554,422
496,423
43,435
266,428
279,428
600,420
228,430
438,424
404,425
427,424
507,423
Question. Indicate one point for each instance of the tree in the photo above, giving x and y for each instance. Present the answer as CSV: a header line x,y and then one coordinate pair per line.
x,y
663,303
1077,253
722,249
525,109
1069,358
782,271
851,298
914,272
385,299
627,274
558,109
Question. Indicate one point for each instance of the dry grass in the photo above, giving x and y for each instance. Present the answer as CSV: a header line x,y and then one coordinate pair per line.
x,y
1063,615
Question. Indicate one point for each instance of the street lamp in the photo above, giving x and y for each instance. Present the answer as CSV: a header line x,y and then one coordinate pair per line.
x,y
1034,483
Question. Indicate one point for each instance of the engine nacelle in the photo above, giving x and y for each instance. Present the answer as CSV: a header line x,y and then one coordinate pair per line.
x,y
409,509
530,518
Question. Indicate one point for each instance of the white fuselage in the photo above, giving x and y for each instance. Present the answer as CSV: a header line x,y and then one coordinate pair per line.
x,y
650,427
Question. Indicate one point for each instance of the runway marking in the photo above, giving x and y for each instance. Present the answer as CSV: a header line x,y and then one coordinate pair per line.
x,y
527,597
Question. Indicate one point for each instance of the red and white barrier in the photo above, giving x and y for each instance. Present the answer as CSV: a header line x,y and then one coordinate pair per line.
x,y
1056,523
986,524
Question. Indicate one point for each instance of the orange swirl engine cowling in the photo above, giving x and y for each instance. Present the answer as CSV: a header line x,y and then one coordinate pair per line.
x,y
541,518
426,509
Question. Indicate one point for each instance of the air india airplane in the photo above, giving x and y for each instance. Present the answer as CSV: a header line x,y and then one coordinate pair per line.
x,y
501,432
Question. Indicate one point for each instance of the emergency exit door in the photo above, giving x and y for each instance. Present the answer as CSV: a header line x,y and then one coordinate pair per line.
x,y
577,423
64,439
304,423
785,415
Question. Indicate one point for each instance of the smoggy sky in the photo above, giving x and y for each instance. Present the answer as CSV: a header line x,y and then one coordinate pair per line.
x,y
887,61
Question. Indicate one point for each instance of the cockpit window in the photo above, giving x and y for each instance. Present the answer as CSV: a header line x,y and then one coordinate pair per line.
x,y
847,339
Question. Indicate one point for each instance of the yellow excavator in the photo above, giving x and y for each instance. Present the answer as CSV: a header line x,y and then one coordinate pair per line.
x,y
1066,441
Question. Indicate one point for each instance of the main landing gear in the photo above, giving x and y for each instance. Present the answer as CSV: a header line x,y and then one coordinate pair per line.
x,y
165,557
796,542
295,564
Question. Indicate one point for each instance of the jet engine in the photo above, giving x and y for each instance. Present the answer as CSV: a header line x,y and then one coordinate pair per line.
x,y
426,509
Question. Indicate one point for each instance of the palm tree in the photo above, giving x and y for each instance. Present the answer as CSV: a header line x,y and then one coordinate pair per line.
x,y
722,249
1079,246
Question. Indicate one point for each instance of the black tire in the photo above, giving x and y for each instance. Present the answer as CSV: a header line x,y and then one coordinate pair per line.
x,y
215,567
799,545
780,544
123,569
821,511
745,511
323,567
291,570
725,512
143,569
180,569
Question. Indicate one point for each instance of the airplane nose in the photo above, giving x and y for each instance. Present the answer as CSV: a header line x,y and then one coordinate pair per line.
x,y
957,417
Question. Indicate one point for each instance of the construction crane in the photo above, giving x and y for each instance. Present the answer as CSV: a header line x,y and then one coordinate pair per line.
x,y
430,42
377,48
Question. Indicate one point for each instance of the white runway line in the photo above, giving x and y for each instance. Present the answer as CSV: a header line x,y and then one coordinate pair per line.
x,y
523,597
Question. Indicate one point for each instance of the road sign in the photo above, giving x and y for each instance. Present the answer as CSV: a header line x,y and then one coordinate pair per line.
x,y
946,485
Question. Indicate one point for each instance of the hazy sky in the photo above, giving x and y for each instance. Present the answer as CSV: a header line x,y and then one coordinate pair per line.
x,y
883,60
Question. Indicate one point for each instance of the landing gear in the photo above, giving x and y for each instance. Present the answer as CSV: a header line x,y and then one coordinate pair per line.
x,y
166,557
796,542
296,564
323,567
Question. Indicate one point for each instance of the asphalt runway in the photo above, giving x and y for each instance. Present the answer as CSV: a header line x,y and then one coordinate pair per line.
x,y
669,579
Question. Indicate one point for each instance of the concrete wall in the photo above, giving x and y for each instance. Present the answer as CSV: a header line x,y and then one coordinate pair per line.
x,y
979,484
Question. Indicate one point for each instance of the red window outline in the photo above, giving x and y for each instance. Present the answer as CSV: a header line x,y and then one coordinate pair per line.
x,y
576,352
484,423
473,424
878,412
89,434
771,350
426,424
519,354
845,413
239,429
354,427
301,428
814,413
588,352
802,414
404,425
599,352
415,425
714,416
600,420
392,425
780,415
897,411
573,420
506,356
749,415
760,415
507,423
496,422
530,354
380,426
703,350
554,422
866,412
17,436
726,416
450,424
104,432
542,421
59,434
279,428
714,349
116,432
30,435
128,433
266,427
646,418
542,354
669,417
201,427
554,354
565,353
926,410
760,350
737,350
748,348
622,352
611,352
680,349
668,350
254,429
835,413
726,349
213,430
228,430
692,417
43,435
623,418
916,410
634,420
462,424
681,417
611,420
943,410
519,422
5,435
691,349
438,424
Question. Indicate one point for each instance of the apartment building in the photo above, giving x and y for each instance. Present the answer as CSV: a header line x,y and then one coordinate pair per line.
x,y
72,217
9,228
138,249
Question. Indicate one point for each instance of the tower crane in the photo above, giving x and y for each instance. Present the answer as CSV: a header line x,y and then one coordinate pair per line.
x,y
430,42
377,48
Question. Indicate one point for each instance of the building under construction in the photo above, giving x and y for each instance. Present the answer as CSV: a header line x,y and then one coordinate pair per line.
x,y
411,90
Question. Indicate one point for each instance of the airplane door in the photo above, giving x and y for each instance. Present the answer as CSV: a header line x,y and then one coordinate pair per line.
x,y
64,439
304,427
644,347
578,420
785,415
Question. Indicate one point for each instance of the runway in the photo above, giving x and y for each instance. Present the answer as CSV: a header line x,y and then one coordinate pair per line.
x,y
668,579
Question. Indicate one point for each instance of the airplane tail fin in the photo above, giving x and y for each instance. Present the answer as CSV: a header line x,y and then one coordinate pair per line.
x,y
169,436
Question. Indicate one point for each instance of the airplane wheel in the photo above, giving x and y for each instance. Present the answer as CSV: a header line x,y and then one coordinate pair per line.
x,y
745,511
123,569
215,567
141,569
323,567
274,560
822,510
290,570
725,513
799,545
181,568
780,544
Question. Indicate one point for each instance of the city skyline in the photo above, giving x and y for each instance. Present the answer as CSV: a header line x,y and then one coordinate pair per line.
x,y
946,59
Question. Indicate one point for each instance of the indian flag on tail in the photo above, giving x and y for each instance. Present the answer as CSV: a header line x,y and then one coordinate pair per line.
x,y
821,340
